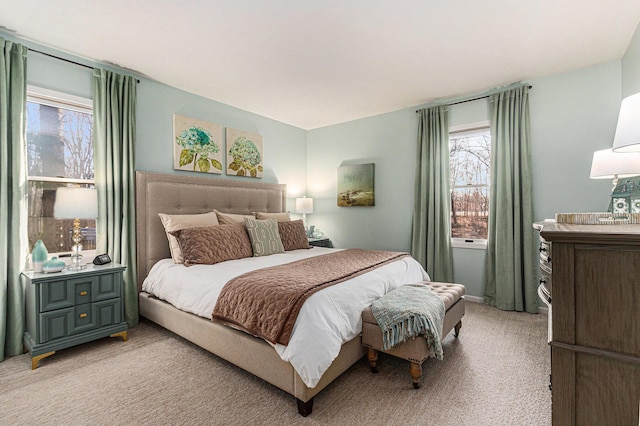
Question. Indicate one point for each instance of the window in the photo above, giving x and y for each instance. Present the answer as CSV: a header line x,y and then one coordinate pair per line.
x,y
469,158
59,153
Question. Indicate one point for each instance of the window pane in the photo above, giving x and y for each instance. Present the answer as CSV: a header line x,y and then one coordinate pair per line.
x,y
470,157
55,233
469,212
470,161
59,142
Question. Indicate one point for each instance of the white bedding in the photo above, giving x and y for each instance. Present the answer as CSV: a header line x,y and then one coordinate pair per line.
x,y
328,319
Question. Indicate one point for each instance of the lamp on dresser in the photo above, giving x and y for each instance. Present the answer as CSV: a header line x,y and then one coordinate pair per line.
x,y
627,138
304,205
608,164
76,203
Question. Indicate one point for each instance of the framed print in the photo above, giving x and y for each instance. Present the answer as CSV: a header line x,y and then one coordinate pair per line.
x,y
244,154
197,145
356,185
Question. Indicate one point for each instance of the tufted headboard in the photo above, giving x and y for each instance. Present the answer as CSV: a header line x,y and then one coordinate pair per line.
x,y
180,194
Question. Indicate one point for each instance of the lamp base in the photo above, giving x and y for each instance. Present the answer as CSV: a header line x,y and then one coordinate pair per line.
x,y
76,258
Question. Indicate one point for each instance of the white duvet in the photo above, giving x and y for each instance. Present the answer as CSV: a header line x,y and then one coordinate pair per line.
x,y
328,319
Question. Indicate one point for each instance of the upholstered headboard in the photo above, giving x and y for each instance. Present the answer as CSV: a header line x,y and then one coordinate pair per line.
x,y
179,194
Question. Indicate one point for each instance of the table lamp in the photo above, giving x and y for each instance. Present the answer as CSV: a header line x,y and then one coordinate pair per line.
x,y
608,164
304,205
76,203
627,138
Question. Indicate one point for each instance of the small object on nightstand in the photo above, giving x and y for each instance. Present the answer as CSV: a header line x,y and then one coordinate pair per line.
x,y
38,255
53,265
102,259
321,242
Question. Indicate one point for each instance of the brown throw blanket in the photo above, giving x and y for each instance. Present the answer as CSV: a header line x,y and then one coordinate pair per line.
x,y
266,302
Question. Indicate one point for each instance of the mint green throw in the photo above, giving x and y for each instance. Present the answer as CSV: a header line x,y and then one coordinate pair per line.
x,y
410,311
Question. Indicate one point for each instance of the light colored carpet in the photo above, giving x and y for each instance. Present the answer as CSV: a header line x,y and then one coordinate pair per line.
x,y
496,373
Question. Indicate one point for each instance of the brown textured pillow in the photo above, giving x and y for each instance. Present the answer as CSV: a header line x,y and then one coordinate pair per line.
x,y
292,235
214,244
280,217
228,218
175,222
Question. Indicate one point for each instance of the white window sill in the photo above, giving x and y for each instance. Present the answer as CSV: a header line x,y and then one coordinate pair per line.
x,y
469,244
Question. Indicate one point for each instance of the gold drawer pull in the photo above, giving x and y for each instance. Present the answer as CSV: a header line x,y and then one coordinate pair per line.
x,y
83,293
83,315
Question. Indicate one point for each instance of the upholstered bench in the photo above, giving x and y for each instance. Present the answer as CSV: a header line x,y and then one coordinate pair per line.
x,y
415,350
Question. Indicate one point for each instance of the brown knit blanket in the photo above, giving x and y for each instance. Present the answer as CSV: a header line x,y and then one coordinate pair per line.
x,y
266,302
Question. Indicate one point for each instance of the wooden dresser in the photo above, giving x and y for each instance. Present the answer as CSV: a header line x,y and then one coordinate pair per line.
x,y
595,344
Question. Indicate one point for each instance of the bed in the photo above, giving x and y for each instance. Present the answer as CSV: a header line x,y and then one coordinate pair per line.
x,y
186,195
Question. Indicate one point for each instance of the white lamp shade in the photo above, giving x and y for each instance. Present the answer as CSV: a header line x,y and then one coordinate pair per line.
x,y
608,164
627,138
76,203
304,205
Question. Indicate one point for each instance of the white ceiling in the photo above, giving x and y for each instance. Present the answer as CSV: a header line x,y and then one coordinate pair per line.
x,y
313,63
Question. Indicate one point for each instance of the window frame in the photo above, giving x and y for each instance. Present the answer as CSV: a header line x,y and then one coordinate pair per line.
x,y
470,243
58,99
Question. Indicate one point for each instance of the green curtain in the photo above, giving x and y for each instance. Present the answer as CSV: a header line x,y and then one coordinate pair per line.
x,y
431,234
114,131
13,198
510,267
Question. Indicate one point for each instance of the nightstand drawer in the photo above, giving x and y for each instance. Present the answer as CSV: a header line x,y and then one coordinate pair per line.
x,y
94,315
78,319
63,294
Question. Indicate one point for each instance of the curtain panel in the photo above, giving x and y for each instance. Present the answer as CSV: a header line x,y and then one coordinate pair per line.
x,y
114,131
13,198
431,233
510,264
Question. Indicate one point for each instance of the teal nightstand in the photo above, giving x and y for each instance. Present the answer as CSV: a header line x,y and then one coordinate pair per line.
x,y
68,308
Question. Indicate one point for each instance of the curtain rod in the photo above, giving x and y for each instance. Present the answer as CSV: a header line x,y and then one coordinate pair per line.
x,y
65,60
469,100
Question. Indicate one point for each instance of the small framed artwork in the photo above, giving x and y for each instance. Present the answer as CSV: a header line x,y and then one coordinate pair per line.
x,y
244,154
197,145
356,185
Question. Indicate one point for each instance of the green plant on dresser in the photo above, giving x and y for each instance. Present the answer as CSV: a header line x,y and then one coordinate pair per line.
x,y
68,308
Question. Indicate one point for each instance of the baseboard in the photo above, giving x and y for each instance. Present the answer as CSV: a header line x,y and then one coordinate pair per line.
x,y
478,299
474,299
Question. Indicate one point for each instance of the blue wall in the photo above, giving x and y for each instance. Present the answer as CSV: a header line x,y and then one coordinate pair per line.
x,y
284,145
572,115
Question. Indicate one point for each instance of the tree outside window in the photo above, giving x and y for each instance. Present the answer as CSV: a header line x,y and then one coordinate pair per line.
x,y
470,159
59,153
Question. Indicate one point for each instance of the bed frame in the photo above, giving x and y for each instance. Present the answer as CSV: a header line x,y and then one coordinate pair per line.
x,y
180,194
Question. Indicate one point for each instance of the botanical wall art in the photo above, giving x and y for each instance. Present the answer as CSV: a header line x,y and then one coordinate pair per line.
x,y
197,145
356,185
244,154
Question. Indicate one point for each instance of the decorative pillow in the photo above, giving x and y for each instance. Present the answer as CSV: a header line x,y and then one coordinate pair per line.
x,y
228,218
175,222
293,236
264,236
213,244
280,217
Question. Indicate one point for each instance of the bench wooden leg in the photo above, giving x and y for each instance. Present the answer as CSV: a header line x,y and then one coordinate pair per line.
x,y
456,329
372,356
415,370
